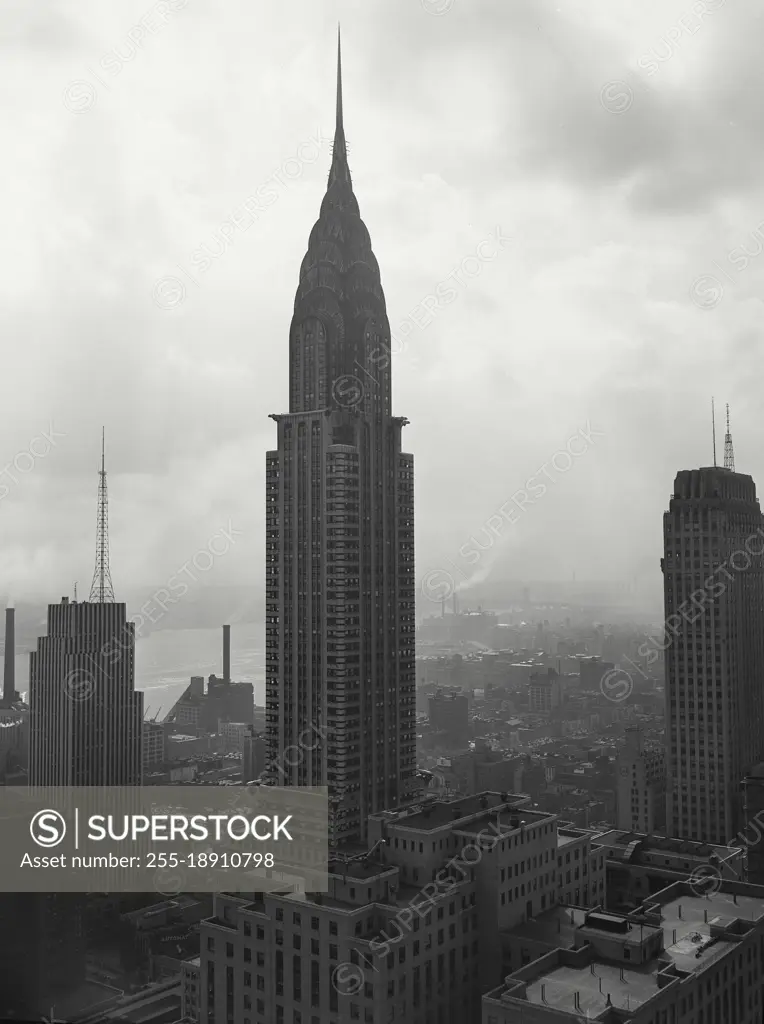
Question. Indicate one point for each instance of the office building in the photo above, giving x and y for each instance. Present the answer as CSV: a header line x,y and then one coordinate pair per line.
x,y
154,735
411,932
340,535
751,837
86,717
713,576
641,784
85,713
680,958
544,692
424,923
449,714
253,755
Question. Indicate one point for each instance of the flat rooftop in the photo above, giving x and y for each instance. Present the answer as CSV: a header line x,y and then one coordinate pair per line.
x,y
563,840
501,821
684,848
445,812
627,987
685,935
360,869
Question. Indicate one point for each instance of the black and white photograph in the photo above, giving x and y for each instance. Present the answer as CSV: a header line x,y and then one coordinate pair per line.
x,y
381,548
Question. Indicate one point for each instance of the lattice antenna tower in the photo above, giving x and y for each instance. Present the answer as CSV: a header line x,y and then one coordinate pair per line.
x,y
102,589
729,454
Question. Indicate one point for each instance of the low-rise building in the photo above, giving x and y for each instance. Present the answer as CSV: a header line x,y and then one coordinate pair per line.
x,y
639,865
408,931
641,783
682,958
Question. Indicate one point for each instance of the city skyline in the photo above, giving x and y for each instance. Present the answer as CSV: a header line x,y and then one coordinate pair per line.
x,y
497,350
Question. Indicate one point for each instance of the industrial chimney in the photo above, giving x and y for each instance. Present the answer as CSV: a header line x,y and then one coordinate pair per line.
x,y
226,654
9,672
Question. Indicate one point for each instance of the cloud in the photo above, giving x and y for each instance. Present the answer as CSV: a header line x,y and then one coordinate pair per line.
x,y
491,114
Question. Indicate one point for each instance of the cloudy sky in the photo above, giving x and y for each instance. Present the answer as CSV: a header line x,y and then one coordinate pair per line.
x,y
617,148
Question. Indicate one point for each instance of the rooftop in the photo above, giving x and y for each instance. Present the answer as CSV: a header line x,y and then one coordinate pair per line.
x,y
446,812
687,921
619,841
626,987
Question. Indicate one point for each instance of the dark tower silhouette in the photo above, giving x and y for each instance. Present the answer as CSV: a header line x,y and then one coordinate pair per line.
x,y
226,654
102,589
9,666
340,533
713,582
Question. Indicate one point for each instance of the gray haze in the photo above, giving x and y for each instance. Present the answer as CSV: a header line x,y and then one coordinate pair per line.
x,y
618,146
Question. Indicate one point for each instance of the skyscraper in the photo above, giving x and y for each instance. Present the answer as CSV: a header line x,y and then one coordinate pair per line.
x,y
340,534
714,600
86,718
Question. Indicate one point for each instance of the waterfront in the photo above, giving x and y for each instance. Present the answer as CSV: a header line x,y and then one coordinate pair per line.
x,y
166,660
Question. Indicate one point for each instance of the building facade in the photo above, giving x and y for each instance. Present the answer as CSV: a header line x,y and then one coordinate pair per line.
x,y
414,932
680,959
86,717
340,673
641,784
713,575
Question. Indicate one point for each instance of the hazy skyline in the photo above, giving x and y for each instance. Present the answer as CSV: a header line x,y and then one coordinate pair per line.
x,y
602,163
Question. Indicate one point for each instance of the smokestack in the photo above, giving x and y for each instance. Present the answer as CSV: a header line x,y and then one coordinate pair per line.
x,y
227,654
9,672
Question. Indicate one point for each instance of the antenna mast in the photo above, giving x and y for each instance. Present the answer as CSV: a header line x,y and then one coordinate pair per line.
x,y
102,590
713,429
729,454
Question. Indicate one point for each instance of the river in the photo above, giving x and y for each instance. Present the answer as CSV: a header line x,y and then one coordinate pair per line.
x,y
166,660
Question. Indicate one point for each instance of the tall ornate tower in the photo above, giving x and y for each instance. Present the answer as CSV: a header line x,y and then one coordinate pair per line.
x,y
340,671
713,584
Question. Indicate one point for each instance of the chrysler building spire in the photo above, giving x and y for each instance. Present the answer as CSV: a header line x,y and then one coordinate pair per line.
x,y
340,172
340,534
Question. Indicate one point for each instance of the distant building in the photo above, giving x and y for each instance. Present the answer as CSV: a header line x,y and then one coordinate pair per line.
x,y
233,734
483,769
253,756
544,692
227,701
153,743
14,743
86,717
592,671
641,784
449,713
